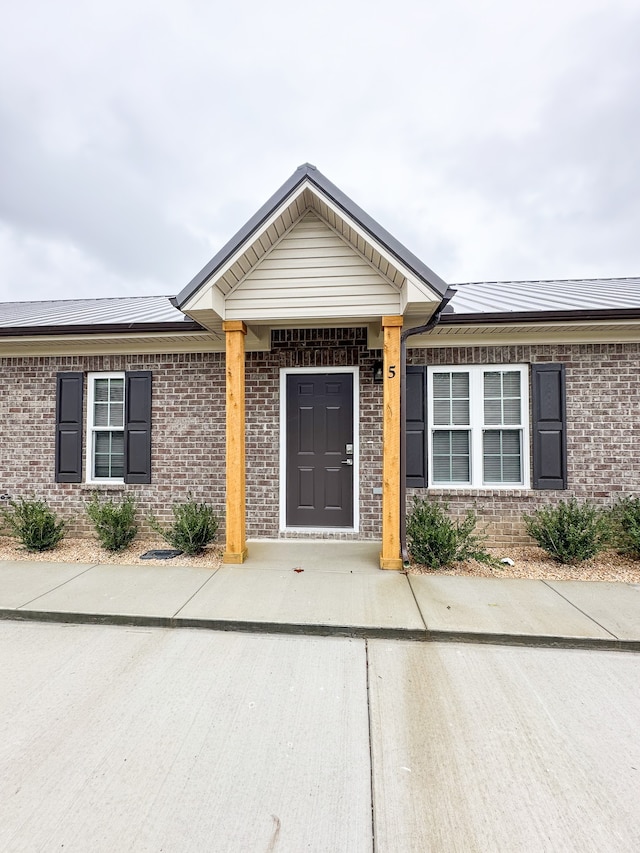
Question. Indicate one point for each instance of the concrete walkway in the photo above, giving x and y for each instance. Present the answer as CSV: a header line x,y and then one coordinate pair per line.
x,y
326,587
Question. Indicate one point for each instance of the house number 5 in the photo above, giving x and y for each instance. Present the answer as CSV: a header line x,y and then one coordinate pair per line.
x,y
392,371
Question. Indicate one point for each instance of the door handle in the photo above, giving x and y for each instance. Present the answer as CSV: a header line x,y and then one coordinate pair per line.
x,y
347,461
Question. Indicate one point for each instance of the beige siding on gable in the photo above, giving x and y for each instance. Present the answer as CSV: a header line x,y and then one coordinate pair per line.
x,y
311,272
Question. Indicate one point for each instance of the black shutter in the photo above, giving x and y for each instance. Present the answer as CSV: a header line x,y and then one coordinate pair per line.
x,y
137,426
416,426
69,388
549,426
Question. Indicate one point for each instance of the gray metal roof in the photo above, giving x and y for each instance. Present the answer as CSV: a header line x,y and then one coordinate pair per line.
x,y
544,297
487,301
307,172
112,312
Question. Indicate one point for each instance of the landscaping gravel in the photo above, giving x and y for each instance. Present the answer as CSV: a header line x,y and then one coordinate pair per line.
x,y
529,562
89,551
534,563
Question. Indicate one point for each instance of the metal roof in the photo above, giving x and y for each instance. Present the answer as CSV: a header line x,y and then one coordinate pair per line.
x,y
480,302
592,296
309,173
129,312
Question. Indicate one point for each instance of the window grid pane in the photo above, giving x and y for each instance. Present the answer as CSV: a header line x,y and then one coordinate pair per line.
x,y
451,458
502,397
451,399
502,456
108,406
108,454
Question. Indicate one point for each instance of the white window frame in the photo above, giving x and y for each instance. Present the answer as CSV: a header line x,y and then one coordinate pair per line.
x,y
91,429
477,427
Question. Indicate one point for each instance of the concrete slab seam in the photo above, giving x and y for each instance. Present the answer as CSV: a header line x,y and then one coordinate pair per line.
x,y
182,606
60,585
370,734
417,603
568,600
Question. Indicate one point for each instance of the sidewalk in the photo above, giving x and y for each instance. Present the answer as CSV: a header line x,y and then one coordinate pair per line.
x,y
326,588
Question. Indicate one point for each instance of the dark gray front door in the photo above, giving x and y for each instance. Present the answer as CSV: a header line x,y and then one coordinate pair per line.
x,y
319,450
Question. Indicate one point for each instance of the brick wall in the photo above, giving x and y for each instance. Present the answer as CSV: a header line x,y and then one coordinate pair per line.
x,y
603,429
187,432
603,434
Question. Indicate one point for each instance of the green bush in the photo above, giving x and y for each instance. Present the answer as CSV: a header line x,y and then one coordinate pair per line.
x,y
34,524
625,517
114,522
570,532
435,540
194,527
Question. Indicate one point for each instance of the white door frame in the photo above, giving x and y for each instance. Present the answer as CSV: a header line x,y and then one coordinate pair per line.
x,y
284,372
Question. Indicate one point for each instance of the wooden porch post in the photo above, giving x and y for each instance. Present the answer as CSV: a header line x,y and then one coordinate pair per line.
x,y
236,545
390,557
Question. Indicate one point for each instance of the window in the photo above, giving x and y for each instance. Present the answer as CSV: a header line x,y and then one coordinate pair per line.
x,y
478,417
105,427
116,423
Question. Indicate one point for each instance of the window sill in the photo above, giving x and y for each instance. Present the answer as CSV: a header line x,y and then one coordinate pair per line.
x,y
102,487
480,491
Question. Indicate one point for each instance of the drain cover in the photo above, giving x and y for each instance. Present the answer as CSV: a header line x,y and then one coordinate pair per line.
x,y
160,554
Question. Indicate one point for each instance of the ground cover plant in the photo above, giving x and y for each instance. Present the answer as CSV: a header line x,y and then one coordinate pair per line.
x,y
570,532
436,540
34,523
195,526
114,521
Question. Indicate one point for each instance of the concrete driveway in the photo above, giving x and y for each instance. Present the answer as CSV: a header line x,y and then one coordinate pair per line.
x,y
152,739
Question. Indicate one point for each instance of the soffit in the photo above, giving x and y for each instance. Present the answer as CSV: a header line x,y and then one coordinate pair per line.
x,y
623,331
116,344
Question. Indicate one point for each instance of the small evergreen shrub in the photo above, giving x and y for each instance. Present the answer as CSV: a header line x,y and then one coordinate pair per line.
x,y
194,526
570,532
435,540
34,523
114,521
625,517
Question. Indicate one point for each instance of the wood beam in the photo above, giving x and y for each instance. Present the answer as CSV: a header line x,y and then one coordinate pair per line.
x,y
236,544
390,557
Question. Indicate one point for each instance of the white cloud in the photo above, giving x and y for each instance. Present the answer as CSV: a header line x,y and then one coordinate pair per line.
x,y
494,138
35,268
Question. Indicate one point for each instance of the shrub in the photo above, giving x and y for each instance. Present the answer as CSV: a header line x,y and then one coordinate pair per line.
x,y
34,523
570,532
625,517
194,527
435,540
114,522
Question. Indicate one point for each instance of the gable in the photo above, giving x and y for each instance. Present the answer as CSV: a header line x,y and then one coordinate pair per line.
x,y
312,272
310,254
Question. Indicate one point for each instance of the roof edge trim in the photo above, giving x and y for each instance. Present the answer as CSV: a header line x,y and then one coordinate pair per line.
x,y
452,319
105,328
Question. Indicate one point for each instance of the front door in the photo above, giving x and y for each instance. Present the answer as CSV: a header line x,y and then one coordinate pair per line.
x,y
319,442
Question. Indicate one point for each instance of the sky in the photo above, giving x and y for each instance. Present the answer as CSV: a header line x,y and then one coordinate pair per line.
x,y
496,140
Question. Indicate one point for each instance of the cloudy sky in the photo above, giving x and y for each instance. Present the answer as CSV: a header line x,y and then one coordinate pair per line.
x,y
495,139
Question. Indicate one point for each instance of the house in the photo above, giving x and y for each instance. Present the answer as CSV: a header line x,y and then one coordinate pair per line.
x,y
270,386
